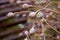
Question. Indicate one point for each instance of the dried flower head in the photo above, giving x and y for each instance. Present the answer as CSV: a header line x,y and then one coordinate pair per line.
x,y
32,14
10,14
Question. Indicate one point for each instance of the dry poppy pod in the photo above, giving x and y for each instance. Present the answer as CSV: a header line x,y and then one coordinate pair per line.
x,y
26,32
21,26
32,30
10,14
32,14
25,6
18,1
31,17
24,15
40,14
17,15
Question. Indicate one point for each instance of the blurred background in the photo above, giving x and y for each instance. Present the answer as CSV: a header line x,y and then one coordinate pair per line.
x,y
29,19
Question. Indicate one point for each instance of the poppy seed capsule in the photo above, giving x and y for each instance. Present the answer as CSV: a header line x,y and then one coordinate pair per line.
x,y
25,6
10,14
17,15
18,1
26,32
32,30
24,15
21,26
40,14
32,14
